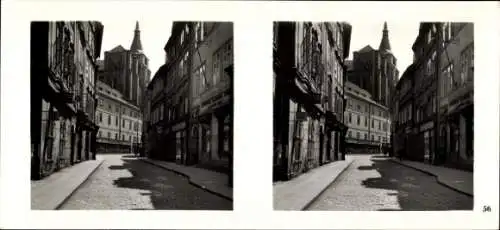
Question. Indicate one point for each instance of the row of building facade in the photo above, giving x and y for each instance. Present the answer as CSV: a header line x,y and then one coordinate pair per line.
x,y
63,96
188,116
121,86
309,98
434,104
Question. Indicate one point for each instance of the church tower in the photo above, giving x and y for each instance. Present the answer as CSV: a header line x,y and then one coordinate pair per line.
x,y
139,68
388,68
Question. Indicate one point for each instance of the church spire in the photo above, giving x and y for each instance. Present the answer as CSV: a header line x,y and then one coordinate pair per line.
x,y
136,43
384,44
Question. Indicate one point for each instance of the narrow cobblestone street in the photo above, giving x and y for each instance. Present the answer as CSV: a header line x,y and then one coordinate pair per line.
x,y
374,183
124,182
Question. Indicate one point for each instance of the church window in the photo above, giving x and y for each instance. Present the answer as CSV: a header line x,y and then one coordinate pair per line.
x,y
182,38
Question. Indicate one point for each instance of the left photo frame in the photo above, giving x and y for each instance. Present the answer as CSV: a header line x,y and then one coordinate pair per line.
x,y
148,127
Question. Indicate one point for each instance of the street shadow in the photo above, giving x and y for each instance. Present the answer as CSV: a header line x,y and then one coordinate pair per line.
x,y
167,190
415,191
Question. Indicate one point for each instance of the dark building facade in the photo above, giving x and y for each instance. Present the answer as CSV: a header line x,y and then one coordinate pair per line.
x,y
127,70
438,106
404,133
190,102
375,70
63,95
309,102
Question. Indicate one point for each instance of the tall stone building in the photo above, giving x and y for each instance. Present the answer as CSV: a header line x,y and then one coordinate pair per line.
x,y
375,70
309,98
190,97
127,70
63,96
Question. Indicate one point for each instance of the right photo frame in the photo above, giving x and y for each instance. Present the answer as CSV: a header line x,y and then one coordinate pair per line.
x,y
373,118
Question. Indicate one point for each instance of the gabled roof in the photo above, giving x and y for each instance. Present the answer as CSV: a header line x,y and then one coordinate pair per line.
x,y
365,49
118,48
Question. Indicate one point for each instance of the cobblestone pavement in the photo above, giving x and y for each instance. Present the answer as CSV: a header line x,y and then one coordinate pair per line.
x,y
373,182
123,182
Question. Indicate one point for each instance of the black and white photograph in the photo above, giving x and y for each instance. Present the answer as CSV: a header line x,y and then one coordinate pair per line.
x,y
131,116
373,118
249,115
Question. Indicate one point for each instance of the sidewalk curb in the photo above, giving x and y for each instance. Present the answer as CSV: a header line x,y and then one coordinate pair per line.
x,y
315,197
80,184
437,178
189,179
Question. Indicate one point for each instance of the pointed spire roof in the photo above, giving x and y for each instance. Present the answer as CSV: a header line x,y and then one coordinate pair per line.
x,y
384,44
136,43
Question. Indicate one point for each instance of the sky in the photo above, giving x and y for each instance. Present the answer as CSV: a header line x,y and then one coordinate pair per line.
x,y
154,36
402,34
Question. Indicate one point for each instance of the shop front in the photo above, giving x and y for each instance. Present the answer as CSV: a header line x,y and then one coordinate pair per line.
x,y
427,132
211,133
458,134
178,136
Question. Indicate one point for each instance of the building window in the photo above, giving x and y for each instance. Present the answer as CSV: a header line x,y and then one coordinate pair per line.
x,y
185,61
181,41
130,125
116,136
350,118
366,136
123,137
373,137
357,135
216,68
466,64
358,120
366,121
109,119
109,135
123,123
373,123
379,126
350,134
100,117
